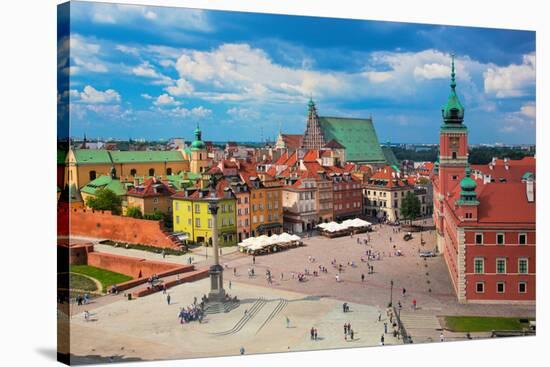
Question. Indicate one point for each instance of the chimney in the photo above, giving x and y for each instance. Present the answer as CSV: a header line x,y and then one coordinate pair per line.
x,y
530,191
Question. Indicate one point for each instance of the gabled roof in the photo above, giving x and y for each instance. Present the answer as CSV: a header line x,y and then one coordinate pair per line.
x,y
356,135
293,141
333,144
105,182
311,155
152,187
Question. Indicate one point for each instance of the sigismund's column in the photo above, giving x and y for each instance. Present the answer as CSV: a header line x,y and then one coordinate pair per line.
x,y
217,293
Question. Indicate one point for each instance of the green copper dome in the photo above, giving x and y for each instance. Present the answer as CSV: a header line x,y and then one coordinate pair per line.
x,y
453,111
198,144
468,186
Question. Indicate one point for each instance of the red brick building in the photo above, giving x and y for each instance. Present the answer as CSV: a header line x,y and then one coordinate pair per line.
x,y
485,217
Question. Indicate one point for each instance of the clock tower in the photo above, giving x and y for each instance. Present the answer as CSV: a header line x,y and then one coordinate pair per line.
x,y
453,141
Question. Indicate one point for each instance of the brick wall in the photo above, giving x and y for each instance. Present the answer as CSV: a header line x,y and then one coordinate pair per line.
x,y
118,228
134,266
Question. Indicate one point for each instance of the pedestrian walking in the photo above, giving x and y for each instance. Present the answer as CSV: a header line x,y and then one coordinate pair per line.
x,y
362,277
241,350
385,328
404,292
229,284
414,304
315,334
287,322
168,299
382,340
379,316
253,259
351,333
234,271
441,337
312,333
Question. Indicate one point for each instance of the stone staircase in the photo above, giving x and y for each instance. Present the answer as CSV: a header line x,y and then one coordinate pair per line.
x,y
221,307
421,326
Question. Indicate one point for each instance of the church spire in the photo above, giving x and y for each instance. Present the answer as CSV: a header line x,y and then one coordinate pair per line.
x,y
453,111
313,137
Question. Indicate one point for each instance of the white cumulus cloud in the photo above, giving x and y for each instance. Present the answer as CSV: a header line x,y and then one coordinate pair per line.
x,y
182,87
513,80
165,99
93,96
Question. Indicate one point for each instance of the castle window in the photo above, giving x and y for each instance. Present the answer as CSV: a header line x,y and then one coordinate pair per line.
x,y
522,238
151,171
501,266
133,172
500,238
169,171
480,287
479,265
479,239
454,155
500,287
93,175
522,287
523,265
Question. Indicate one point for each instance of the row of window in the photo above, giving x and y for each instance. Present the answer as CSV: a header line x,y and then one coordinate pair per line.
x,y
270,205
226,221
346,187
356,204
479,265
383,193
522,239
133,172
501,287
353,193
270,195
260,219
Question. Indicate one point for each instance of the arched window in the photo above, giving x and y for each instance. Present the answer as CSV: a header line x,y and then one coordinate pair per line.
x,y
93,175
133,172
151,171
169,171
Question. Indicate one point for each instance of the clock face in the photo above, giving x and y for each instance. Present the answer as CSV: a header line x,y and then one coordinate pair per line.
x,y
454,142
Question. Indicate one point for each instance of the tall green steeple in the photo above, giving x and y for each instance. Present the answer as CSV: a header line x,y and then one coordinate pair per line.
x,y
198,144
453,111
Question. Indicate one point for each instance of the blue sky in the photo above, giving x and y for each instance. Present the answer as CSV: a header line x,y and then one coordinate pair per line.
x,y
153,72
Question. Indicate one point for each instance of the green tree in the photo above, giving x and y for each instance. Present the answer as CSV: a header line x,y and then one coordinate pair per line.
x,y
410,207
105,199
134,212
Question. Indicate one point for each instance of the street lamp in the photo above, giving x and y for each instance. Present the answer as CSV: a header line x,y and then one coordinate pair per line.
x,y
391,293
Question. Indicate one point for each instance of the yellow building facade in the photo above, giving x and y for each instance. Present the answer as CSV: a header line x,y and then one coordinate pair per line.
x,y
191,216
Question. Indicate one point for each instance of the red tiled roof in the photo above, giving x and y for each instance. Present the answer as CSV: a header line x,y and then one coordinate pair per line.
x,y
293,141
333,144
282,159
500,203
387,174
516,169
311,155
152,187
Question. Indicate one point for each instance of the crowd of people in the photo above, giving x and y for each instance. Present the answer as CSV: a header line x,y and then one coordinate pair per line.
x,y
190,313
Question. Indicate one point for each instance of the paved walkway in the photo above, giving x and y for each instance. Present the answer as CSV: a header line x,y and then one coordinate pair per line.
x,y
148,328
